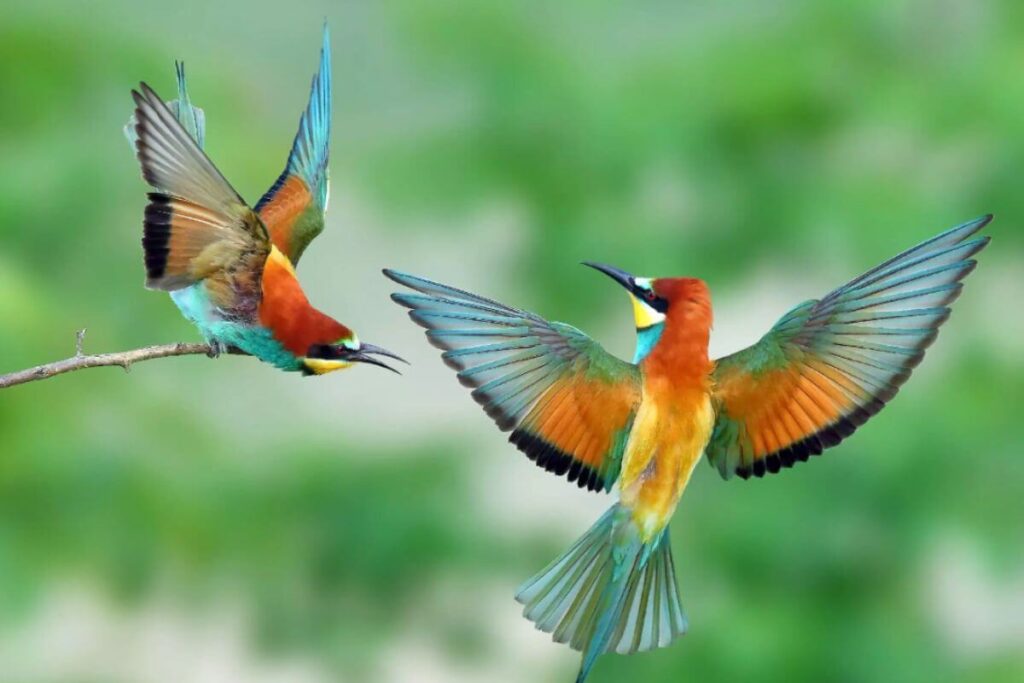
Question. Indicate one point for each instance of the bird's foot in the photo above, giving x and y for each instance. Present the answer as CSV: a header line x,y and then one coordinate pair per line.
x,y
216,348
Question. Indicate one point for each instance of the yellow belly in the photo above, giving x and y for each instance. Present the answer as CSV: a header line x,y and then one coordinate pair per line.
x,y
669,435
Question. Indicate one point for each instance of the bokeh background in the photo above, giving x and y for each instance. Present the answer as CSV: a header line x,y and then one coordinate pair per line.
x,y
221,522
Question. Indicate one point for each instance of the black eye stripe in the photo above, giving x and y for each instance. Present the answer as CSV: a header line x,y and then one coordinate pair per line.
x,y
651,298
657,303
323,352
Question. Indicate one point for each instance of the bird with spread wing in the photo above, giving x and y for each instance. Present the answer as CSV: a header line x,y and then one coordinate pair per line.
x,y
231,268
821,372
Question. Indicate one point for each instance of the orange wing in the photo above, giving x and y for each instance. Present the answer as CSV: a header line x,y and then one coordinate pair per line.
x,y
293,209
579,427
568,402
830,364
196,227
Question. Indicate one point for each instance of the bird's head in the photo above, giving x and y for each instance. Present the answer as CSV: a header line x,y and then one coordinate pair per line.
x,y
344,353
656,300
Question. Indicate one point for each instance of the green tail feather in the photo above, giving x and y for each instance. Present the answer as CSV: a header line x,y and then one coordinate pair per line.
x,y
192,118
608,593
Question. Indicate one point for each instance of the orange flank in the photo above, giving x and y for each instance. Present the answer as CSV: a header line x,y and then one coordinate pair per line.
x,y
279,214
286,311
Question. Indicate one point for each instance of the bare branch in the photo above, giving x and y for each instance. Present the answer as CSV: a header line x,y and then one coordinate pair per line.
x,y
122,359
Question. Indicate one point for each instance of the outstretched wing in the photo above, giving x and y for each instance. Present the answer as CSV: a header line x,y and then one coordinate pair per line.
x,y
568,402
293,209
830,364
196,227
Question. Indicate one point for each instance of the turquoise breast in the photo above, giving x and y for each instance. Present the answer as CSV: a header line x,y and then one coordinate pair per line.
x,y
646,339
257,341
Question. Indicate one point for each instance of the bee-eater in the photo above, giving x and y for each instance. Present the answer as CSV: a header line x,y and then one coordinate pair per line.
x,y
231,268
824,368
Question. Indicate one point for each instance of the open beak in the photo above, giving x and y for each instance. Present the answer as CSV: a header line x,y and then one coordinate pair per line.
x,y
622,277
366,352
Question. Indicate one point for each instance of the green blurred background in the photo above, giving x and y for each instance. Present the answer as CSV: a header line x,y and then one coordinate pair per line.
x,y
218,521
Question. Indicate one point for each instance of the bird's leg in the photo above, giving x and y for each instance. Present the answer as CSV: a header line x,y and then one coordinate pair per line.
x,y
216,348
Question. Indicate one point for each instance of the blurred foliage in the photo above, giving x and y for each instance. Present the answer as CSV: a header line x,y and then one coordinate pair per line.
x,y
799,138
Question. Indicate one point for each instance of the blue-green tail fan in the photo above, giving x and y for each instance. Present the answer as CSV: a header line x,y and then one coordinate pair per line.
x,y
609,592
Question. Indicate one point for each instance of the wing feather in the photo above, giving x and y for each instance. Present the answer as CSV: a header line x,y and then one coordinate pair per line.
x,y
829,364
564,398
294,207
196,226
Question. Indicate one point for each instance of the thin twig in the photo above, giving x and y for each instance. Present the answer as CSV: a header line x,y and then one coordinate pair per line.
x,y
122,359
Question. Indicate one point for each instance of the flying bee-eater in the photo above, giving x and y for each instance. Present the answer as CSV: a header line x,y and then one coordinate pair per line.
x,y
231,268
826,366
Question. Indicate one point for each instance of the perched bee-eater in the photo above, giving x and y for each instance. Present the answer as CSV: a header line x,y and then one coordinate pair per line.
x,y
231,268
824,368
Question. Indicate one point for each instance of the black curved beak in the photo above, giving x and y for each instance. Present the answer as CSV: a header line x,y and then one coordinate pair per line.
x,y
622,277
363,355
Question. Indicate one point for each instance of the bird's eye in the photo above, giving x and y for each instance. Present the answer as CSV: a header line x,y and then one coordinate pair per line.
x,y
649,295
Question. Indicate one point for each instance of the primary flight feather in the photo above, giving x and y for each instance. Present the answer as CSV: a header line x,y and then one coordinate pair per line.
x,y
825,368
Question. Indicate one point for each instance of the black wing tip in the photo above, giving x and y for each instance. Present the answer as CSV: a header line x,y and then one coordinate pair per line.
x,y
815,444
555,460
156,236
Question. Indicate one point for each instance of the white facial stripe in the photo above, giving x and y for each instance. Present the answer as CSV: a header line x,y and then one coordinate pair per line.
x,y
643,283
